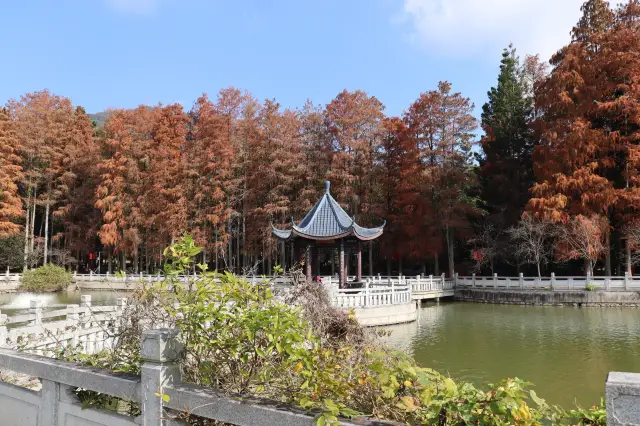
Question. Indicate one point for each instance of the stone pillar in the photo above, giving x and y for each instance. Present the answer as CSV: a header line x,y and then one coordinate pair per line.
x,y
160,351
49,402
73,315
282,256
85,300
308,262
4,333
623,399
293,254
341,265
359,267
35,308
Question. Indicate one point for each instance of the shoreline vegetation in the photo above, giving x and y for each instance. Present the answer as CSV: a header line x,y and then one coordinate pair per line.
x,y
45,279
243,338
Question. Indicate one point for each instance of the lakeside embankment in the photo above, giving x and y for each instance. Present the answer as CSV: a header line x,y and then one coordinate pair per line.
x,y
584,298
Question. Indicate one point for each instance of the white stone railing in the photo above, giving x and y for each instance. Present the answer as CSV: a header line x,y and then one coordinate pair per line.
x,y
159,391
370,296
91,328
624,283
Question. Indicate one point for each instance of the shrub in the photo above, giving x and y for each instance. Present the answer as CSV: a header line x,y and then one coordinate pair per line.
x,y
242,339
45,278
590,287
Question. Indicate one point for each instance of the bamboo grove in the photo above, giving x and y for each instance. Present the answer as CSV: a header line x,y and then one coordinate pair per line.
x,y
555,148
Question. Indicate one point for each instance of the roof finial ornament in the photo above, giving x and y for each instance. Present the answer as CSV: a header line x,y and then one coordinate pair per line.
x,y
327,186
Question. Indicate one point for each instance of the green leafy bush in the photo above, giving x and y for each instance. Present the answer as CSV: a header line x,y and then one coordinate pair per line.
x,y
590,287
242,339
45,278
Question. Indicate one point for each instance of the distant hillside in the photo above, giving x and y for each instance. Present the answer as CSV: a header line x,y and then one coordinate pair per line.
x,y
99,117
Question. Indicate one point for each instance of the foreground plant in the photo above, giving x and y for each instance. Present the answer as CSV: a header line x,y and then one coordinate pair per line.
x,y
242,339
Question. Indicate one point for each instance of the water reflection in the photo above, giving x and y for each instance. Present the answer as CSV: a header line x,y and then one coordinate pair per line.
x,y
567,352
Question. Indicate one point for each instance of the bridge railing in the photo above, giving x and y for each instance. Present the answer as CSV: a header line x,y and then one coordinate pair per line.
x,y
92,328
572,283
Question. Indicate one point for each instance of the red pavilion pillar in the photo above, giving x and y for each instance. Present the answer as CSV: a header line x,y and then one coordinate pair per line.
x,y
359,268
308,262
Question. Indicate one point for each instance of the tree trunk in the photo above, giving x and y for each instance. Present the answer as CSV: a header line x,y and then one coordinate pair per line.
x,y
449,237
238,262
538,265
25,266
109,261
607,258
229,264
244,240
136,269
32,238
46,232
436,264
627,256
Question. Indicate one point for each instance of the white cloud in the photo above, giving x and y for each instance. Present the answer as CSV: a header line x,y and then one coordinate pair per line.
x,y
482,26
137,7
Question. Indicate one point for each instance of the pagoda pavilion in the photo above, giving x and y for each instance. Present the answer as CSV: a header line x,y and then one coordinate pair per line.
x,y
325,229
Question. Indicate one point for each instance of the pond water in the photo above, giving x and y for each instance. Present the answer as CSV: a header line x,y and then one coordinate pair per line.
x,y
566,352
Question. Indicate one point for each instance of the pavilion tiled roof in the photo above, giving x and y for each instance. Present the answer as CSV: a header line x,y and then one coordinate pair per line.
x,y
327,220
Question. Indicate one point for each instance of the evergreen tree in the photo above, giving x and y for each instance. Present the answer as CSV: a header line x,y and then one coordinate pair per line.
x,y
506,170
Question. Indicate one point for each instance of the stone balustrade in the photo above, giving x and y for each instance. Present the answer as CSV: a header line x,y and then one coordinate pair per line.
x,y
39,331
553,282
159,391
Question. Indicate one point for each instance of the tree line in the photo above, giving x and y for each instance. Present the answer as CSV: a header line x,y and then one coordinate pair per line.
x,y
557,157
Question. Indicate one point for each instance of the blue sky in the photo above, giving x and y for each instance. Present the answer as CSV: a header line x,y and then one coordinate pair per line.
x,y
122,53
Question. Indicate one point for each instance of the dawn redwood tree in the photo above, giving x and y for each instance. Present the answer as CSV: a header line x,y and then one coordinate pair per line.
x,y
396,171
165,195
353,120
10,175
582,237
276,176
587,160
210,157
316,139
441,124
123,170
43,121
76,188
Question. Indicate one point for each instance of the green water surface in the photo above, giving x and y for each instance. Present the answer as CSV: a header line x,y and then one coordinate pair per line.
x,y
566,352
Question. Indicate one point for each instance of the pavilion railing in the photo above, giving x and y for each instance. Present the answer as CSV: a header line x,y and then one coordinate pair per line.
x,y
369,296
